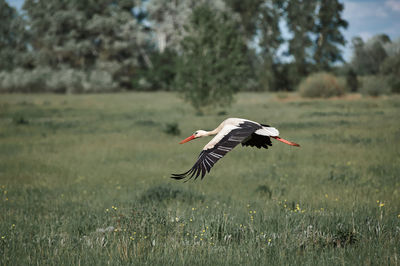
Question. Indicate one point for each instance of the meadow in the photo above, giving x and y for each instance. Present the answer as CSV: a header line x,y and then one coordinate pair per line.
x,y
85,180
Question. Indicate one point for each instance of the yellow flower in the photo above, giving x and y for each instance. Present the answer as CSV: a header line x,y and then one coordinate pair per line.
x,y
204,230
269,240
381,204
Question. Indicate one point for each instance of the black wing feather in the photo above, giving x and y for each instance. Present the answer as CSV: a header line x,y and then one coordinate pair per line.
x,y
258,141
208,158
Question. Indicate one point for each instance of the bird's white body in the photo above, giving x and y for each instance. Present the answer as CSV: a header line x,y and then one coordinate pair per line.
x,y
234,123
229,134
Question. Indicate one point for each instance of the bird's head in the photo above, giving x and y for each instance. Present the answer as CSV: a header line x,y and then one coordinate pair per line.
x,y
197,134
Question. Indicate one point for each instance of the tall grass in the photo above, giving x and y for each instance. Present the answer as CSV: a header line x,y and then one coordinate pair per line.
x,y
85,180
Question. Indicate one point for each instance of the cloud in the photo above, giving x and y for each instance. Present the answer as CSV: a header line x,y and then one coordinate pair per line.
x,y
393,4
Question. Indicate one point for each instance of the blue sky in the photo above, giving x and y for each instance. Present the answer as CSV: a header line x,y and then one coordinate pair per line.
x,y
366,18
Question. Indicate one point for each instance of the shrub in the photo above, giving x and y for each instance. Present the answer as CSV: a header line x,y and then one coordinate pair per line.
x,y
172,129
321,85
166,192
44,79
375,85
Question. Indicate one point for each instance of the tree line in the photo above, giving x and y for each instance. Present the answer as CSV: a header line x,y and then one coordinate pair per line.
x,y
206,49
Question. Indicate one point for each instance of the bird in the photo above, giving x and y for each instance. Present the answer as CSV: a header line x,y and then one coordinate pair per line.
x,y
228,135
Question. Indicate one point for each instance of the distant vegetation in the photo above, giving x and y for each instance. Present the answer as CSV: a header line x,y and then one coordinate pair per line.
x,y
321,85
206,50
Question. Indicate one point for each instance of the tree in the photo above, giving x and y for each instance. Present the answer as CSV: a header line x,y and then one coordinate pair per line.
x,y
13,38
168,19
327,29
102,36
369,56
212,66
301,22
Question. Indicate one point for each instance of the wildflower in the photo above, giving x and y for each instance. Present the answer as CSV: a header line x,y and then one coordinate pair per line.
x,y
398,216
381,204
204,230
269,240
254,212
326,195
107,210
177,219
3,237
195,237
134,233
187,234
251,211
191,220
206,227
201,239
193,209
206,207
132,238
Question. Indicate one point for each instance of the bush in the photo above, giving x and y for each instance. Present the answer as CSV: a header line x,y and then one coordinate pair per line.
x,y
375,85
64,80
322,85
165,193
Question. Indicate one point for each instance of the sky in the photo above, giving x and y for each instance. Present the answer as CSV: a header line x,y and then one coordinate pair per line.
x,y
365,17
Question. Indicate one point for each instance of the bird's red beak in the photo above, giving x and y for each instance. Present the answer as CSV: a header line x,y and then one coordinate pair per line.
x,y
187,139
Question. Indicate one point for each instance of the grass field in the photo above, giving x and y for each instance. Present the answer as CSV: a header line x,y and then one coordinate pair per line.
x,y
85,180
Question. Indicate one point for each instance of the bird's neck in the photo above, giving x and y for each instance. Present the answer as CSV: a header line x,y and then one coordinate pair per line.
x,y
215,131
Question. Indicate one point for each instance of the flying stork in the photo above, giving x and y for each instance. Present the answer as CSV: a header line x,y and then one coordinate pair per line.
x,y
229,134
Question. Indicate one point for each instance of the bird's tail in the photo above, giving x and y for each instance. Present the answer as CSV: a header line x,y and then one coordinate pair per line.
x,y
286,141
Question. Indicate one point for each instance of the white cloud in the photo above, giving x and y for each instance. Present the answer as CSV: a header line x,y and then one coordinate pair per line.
x,y
393,4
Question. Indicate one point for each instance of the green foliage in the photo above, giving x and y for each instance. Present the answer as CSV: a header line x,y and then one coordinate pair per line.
x,y
166,193
94,37
300,21
328,29
368,57
375,85
352,80
13,38
64,80
212,67
172,129
321,85
161,75
390,68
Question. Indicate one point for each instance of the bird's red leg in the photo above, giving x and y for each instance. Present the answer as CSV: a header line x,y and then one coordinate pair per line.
x,y
286,141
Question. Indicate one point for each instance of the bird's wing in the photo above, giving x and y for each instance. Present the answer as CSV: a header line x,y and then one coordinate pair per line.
x,y
227,139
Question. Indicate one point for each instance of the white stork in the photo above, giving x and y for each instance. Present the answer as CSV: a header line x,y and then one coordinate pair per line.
x,y
229,134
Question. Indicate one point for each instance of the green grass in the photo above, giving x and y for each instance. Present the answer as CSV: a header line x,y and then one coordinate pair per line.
x,y
85,180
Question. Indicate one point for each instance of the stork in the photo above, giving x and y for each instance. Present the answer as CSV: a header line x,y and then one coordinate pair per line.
x,y
229,134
